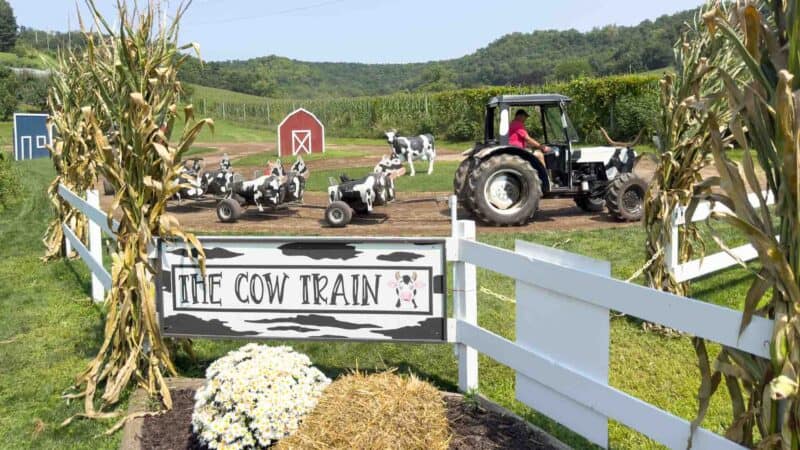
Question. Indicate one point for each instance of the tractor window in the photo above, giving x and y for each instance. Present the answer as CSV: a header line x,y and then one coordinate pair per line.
x,y
555,129
533,124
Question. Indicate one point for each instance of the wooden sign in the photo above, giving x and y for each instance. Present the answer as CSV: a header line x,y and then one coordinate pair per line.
x,y
305,288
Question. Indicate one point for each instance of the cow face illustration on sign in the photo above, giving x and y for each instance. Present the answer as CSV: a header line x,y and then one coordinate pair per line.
x,y
406,286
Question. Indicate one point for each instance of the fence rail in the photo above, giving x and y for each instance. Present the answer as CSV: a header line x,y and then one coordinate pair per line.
x,y
98,224
708,264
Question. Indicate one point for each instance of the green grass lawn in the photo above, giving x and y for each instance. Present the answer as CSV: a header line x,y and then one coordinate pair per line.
x,y
49,330
441,180
260,159
33,62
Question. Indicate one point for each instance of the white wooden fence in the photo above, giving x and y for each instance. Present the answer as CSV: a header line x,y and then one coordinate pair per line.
x,y
709,263
561,351
92,256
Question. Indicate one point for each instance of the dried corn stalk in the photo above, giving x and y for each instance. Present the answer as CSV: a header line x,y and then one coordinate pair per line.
x,y
135,88
687,98
72,148
765,121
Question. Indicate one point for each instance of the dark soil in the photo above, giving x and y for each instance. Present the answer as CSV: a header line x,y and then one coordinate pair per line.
x,y
473,427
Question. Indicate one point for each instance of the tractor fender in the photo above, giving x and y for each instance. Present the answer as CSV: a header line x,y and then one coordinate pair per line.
x,y
488,152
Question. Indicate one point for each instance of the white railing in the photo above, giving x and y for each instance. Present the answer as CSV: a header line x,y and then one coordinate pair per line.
x,y
98,224
561,351
709,263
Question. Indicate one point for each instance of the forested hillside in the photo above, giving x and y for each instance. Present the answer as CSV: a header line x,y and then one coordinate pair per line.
x,y
517,58
514,59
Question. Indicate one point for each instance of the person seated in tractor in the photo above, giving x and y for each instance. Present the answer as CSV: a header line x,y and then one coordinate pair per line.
x,y
518,136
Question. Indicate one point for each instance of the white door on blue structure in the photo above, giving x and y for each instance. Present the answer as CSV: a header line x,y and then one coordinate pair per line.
x,y
301,141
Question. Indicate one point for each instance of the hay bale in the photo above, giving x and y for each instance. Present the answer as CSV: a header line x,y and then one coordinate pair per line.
x,y
378,411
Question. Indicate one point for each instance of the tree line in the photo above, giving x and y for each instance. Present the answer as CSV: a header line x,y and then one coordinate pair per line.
x,y
539,57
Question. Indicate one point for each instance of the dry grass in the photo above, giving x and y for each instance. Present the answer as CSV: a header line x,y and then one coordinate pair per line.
x,y
379,411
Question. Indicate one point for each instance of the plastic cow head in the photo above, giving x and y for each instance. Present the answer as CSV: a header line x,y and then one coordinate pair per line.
x,y
393,167
390,135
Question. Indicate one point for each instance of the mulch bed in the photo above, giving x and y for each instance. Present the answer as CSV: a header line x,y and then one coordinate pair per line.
x,y
473,427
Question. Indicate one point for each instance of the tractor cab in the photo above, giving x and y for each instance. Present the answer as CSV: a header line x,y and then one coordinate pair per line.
x,y
548,123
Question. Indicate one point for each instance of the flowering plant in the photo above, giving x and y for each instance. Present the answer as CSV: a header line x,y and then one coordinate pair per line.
x,y
255,395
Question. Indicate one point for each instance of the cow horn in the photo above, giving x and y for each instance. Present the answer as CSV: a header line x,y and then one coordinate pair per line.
x,y
621,144
414,276
397,275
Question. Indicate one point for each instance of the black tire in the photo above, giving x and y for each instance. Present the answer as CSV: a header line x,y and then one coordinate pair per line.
x,y
460,185
625,197
338,214
516,190
108,189
229,210
590,204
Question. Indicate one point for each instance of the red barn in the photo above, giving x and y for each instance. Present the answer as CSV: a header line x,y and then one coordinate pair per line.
x,y
300,132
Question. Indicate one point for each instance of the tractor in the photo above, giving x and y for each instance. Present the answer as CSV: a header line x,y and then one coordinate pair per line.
x,y
502,184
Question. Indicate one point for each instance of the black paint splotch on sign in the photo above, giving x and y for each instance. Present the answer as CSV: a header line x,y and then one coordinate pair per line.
x,y
400,256
185,324
305,288
318,321
211,253
320,250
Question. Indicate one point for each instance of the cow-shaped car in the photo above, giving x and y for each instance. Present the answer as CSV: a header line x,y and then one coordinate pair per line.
x,y
265,191
412,148
347,195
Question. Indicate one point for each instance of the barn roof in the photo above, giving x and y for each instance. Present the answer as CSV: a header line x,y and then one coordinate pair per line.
x,y
299,110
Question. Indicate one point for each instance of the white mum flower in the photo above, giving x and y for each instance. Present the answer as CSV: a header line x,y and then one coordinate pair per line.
x,y
254,396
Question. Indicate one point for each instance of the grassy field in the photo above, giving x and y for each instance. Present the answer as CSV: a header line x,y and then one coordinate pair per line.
x,y
49,329
33,62
440,181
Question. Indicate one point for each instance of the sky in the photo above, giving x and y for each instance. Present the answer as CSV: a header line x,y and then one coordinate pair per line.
x,y
367,31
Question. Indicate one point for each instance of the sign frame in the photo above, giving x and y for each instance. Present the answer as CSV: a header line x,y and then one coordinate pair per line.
x,y
167,278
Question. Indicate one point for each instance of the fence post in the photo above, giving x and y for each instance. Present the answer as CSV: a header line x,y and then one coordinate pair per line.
x,y
95,246
465,304
671,250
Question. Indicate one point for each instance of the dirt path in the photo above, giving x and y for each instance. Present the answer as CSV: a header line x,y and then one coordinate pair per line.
x,y
414,214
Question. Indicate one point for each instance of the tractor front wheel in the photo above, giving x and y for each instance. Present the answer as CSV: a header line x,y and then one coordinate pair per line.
x,y
625,197
504,190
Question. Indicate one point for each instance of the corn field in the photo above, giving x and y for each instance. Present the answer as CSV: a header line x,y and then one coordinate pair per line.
x,y
622,104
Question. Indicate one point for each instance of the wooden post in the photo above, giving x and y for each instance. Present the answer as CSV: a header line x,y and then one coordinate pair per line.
x,y
95,246
671,250
465,303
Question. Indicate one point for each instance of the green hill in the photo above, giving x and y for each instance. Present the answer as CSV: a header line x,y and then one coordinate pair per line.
x,y
515,59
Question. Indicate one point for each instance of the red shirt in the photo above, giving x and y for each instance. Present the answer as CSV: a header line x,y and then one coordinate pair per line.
x,y
517,134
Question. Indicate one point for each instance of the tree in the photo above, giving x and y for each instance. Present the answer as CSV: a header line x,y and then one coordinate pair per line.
x,y
8,93
8,27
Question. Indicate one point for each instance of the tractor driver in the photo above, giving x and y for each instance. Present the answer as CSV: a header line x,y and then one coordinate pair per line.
x,y
518,136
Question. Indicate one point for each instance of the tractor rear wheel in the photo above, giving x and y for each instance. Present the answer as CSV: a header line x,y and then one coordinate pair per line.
x,y
229,210
590,204
338,214
460,182
625,197
504,190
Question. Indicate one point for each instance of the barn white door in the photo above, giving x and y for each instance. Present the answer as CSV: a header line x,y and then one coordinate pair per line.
x,y
301,141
